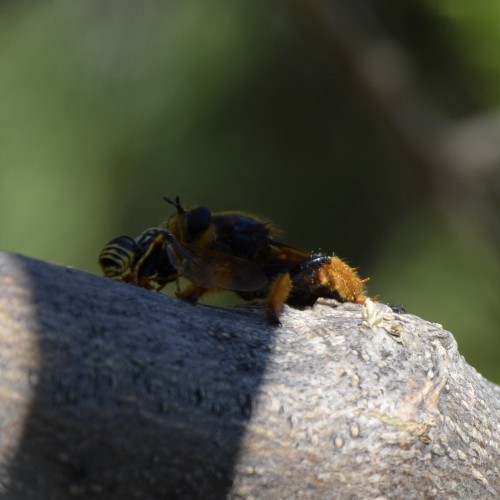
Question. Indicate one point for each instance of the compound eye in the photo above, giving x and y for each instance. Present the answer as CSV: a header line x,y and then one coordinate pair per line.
x,y
198,220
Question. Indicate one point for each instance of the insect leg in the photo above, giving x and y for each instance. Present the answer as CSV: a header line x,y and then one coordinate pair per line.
x,y
278,293
158,240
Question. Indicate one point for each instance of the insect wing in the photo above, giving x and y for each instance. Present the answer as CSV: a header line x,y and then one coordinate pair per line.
x,y
209,269
288,255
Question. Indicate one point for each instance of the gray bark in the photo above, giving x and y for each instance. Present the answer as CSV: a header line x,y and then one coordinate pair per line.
x,y
110,391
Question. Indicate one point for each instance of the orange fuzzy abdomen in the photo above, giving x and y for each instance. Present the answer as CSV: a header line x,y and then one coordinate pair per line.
x,y
339,276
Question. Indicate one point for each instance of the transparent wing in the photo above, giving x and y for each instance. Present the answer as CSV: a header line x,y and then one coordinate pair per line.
x,y
288,255
209,269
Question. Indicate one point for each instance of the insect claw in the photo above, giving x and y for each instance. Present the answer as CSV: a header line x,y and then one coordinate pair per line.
x,y
273,320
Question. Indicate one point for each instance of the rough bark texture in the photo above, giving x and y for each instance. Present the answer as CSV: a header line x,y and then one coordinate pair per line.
x,y
109,391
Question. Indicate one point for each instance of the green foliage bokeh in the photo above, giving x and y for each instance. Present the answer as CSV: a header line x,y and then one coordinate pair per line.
x,y
105,108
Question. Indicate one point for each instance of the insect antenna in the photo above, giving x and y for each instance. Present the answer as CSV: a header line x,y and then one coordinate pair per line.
x,y
176,204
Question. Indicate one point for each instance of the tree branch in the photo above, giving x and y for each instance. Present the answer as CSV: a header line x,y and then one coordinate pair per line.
x,y
112,391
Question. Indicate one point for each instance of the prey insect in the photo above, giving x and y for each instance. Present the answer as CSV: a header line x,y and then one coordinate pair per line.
x,y
156,258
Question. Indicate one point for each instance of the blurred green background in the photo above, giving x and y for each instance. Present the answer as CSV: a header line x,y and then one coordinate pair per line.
x,y
368,129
